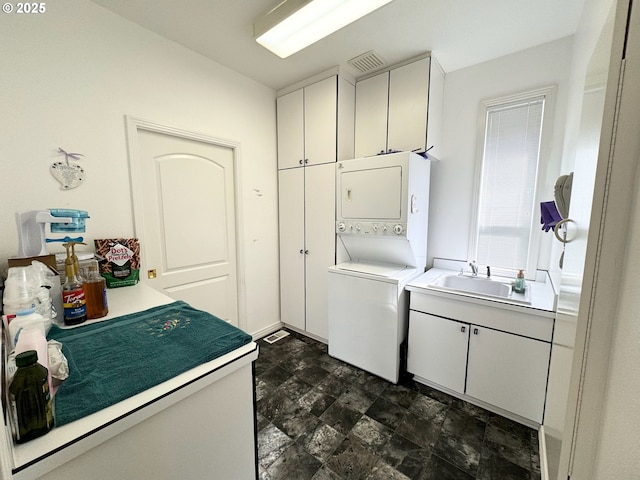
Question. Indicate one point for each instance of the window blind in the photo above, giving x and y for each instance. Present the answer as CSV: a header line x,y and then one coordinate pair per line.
x,y
508,183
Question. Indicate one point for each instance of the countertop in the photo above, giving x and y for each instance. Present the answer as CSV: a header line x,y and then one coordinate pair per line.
x,y
64,443
542,294
126,300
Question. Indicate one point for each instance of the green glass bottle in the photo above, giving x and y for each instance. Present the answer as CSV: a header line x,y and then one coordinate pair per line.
x,y
30,399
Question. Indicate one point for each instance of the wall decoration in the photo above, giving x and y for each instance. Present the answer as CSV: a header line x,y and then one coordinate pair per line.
x,y
68,173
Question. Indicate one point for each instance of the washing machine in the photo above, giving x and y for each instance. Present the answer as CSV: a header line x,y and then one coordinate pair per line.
x,y
381,224
368,315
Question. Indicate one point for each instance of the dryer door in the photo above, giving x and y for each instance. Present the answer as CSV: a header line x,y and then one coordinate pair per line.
x,y
371,194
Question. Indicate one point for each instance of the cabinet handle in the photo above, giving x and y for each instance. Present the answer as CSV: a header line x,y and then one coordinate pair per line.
x,y
475,331
306,160
463,329
301,251
300,162
306,252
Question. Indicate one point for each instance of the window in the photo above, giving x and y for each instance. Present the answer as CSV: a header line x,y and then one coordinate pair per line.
x,y
504,235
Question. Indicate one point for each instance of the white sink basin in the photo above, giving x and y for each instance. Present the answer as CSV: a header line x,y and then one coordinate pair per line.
x,y
478,287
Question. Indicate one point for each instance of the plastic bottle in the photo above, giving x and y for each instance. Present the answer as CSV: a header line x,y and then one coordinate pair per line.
x,y
30,398
24,319
31,337
19,290
95,291
519,285
73,299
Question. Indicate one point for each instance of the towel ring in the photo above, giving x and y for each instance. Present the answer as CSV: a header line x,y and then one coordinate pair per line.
x,y
556,230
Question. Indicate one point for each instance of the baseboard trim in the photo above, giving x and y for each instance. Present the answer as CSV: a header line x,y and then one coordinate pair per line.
x,y
266,331
487,406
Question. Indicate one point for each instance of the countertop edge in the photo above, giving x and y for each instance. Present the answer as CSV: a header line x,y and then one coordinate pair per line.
x,y
64,443
539,306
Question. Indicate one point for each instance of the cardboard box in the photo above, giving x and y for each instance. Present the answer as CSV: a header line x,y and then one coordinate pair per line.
x,y
48,260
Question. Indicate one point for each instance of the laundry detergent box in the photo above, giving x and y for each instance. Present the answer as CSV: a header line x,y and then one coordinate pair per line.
x,y
120,260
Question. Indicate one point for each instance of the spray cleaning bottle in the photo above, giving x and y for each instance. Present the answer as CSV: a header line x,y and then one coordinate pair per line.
x,y
73,299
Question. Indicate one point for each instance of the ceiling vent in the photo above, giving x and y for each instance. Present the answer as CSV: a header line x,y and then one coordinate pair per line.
x,y
367,62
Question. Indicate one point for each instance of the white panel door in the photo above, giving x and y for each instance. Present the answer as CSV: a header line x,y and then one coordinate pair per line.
x,y
320,244
292,257
290,109
438,350
372,95
320,121
188,208
508,371
408,102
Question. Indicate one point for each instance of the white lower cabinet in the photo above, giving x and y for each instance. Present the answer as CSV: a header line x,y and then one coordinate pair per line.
x,y
438,350
500,369
508,371
307,245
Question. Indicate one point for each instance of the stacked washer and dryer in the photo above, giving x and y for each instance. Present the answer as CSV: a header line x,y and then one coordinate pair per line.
x,y
382,206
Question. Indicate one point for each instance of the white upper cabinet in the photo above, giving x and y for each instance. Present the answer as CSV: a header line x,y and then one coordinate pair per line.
x,y
371,115
315,123
395,109
320,122
408,103
290,109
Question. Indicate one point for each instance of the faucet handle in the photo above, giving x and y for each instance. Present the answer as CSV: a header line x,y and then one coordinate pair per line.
x,y
474,268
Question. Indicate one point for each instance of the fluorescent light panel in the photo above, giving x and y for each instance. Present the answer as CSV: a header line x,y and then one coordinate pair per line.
x,y
296,24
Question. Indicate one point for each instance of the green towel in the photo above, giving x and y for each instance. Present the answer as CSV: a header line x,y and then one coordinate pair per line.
x,y
112,360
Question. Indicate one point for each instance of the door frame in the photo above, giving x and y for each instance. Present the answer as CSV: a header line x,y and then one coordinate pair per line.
x,y
614,194
133,126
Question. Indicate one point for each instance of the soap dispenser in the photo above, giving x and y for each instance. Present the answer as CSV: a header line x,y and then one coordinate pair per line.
x,y
519,285
74,259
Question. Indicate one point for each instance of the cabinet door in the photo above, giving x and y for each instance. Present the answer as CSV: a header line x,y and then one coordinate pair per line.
x,y
372,97
320,121
320,244
438,350
290,124
508,371
408,104
291,210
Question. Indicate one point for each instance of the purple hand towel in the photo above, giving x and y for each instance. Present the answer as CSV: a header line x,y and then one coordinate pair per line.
x,y
549,215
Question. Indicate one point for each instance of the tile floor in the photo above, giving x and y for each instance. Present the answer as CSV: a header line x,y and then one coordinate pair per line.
x,y
321,419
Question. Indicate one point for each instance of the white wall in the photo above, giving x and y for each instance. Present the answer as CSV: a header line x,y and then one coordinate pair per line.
x,y
452,184
619,440
618,455
69,77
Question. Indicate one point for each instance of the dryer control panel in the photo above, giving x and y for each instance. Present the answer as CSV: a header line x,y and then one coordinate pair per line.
x,y
371,228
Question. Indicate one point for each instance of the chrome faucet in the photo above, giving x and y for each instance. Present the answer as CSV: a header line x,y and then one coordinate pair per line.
x,y
474,268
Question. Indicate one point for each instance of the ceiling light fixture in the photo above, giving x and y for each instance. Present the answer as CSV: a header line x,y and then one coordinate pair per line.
x,y
295,24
